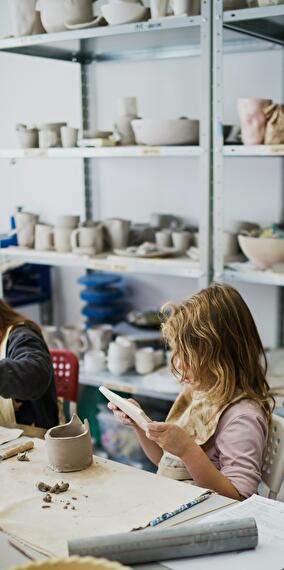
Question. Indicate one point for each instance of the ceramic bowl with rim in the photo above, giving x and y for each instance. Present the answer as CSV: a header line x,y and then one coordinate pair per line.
x,y
120,12
262,252
156,132
73,563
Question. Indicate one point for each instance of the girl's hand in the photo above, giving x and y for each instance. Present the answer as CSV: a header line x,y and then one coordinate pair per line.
x,y
169,437
121,416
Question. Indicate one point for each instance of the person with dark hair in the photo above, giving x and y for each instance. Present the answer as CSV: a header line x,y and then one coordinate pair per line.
x,y
27,385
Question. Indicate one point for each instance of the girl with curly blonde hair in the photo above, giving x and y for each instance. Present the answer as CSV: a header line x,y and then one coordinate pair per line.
x,y
217,429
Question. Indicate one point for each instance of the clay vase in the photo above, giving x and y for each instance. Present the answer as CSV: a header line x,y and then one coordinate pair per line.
x,y
253,120
69,446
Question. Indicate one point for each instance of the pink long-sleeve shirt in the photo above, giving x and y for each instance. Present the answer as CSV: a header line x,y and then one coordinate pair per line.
x,y
237,447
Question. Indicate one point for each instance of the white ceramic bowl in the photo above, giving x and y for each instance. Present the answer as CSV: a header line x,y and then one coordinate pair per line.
x,y
166,131
120,12
262,252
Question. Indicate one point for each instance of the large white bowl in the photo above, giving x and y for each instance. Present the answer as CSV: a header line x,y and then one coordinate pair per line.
x,y
262,252
119,12
166,131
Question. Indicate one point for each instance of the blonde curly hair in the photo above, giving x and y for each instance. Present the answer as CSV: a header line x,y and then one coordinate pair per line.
x,y
213,336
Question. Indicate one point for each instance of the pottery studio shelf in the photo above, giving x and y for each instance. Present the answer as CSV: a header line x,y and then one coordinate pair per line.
x,y
254,150
129,383
168,37
112,42
256,276
105,152
178,267
265,23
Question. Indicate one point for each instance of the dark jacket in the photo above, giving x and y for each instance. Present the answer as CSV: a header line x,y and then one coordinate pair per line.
x,y
26,375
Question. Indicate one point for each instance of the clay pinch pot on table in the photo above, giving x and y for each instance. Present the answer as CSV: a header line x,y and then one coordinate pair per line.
x,y
69,446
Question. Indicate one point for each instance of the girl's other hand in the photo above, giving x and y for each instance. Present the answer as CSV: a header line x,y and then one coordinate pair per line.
x,y
121,416
169,437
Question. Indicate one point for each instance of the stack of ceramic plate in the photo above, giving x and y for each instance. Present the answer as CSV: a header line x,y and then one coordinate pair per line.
x,y
104,294
118,12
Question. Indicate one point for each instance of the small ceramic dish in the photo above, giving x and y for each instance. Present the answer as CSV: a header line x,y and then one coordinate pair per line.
x,y
98,21
132,252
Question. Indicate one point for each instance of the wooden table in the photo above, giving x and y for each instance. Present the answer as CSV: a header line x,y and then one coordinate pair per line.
x,y
16,474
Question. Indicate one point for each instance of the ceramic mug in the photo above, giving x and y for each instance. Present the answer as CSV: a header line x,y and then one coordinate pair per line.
x,y
100,336
253,120
91,237
94,361
50,335
117,232
70,222
69,137
62,239
28,138
118,367
25,226
158,358
163,238
74,340
158,8
47,138
55,127
145,360
44,237
180,7
181,240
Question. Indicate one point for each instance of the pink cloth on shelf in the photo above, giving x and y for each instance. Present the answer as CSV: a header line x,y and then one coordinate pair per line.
x,y
238,444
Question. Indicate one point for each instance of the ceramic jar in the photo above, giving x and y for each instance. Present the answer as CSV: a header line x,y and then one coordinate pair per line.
x,y
253,120
69,446
127,112
25,20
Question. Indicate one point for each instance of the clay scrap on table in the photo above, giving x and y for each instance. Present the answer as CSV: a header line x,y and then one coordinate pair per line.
x,y
57,488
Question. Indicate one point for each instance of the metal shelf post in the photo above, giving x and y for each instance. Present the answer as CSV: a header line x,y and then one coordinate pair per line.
x,y
217,24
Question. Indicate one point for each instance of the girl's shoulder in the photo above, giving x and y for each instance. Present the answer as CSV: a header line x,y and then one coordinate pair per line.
x,y
246,408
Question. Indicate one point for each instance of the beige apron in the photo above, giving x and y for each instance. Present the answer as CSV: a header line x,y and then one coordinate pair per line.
x,y
199,418
7,412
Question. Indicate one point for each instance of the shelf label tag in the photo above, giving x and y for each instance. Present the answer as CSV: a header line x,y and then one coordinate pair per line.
x,y
151,151
276,149
35,153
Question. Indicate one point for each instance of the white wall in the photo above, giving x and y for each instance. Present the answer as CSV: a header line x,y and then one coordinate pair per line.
x,y
40,91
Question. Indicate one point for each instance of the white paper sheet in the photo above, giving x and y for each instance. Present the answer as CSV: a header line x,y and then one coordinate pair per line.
x,y
9,434
269,554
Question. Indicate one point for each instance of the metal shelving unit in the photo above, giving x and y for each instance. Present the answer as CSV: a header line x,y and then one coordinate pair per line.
x,y
167,38
257,26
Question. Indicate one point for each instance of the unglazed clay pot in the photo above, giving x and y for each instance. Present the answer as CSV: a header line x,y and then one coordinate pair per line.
x,y
69,446
253,120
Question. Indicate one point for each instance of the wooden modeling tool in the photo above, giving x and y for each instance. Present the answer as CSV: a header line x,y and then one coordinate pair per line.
x,y
15,449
